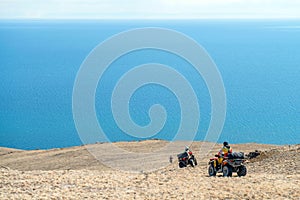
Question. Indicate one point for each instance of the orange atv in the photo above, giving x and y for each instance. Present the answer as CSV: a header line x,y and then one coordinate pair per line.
x,y
233,163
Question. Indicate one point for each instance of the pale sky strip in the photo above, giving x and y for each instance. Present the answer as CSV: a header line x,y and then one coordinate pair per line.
x,y
151,9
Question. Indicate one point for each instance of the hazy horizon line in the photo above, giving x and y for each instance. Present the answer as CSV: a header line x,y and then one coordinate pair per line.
x,y
171,19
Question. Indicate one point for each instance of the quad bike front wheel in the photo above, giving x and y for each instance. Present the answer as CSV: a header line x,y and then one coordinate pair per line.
x,y
192,162
242,171
211,170
227,171
195,161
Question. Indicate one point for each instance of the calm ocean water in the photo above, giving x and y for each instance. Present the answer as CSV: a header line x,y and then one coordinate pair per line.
x,y
258,60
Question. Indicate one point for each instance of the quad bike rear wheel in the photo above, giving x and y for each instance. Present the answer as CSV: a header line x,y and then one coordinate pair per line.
x,y
227,171
182,164
242,171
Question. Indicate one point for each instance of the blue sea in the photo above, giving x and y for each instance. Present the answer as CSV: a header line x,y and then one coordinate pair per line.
x,y
259,61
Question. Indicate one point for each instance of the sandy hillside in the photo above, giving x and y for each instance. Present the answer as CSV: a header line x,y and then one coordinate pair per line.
x,y
73,173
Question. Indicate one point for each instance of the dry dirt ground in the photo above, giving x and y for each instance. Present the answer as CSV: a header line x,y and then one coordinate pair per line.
x,y
73,173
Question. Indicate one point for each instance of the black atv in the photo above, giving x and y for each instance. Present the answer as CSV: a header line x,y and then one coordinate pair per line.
x,y
186,159
233,163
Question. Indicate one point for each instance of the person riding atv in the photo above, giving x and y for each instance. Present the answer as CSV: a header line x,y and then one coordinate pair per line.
x,y
224,151
187,150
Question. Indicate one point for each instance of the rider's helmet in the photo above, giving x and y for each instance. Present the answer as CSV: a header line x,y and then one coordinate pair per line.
x,y
225,144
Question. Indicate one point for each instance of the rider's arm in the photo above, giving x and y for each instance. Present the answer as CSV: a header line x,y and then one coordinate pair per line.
x,y
220,153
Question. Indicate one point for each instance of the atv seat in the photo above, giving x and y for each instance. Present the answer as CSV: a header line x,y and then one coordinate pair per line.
x,y
182,155
235,155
